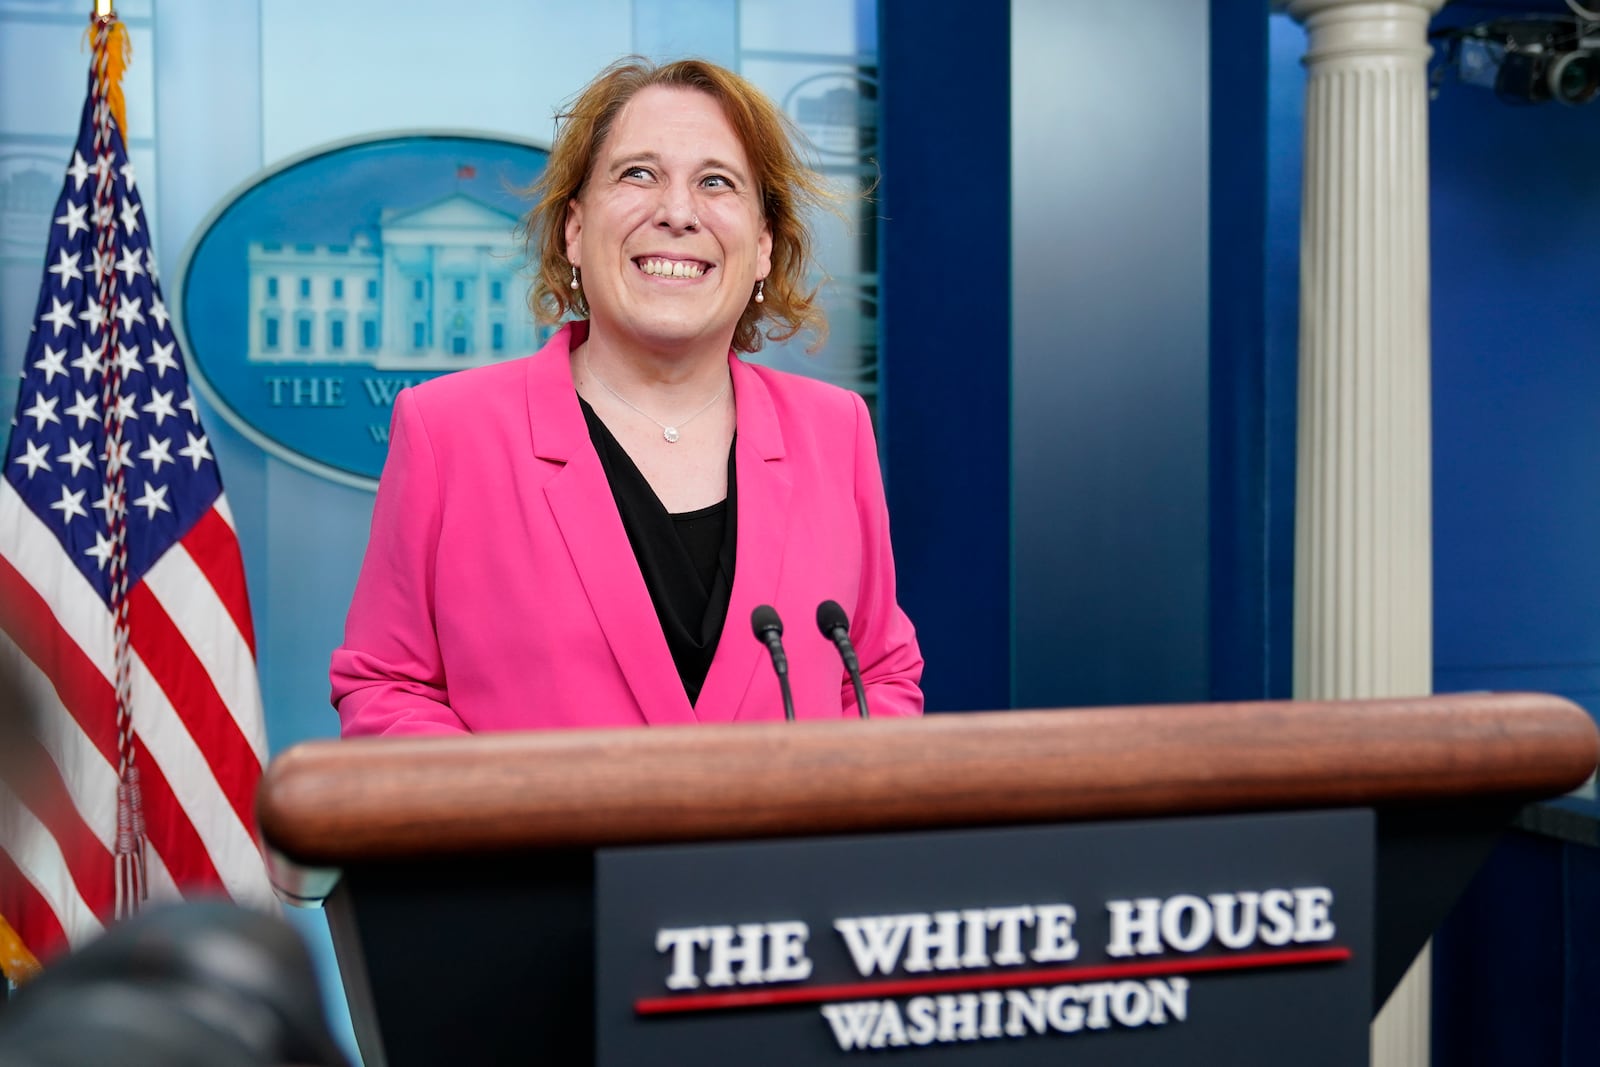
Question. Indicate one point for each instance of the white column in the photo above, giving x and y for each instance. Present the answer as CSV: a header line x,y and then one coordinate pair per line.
x,y
1363,520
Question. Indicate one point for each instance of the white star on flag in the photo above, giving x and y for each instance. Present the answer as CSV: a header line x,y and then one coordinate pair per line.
x,y
196,450
59,316
130,217
95,316
90,361
77,456
160,406
84,408
70,504
51,364
34,458
130,264
153,499
159,451
161,355
78,172
73,220
101,552
128,312
66,268
43,411
128,359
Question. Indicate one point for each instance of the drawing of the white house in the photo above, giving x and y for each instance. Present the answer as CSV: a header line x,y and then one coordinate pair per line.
x,y
437,289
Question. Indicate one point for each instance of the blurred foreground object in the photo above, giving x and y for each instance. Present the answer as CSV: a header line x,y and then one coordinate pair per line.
x,y
203,984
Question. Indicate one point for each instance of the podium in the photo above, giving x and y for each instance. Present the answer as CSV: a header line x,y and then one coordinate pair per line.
x,y
464,878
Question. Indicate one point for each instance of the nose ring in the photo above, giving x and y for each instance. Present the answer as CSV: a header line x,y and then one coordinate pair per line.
x,y
694,222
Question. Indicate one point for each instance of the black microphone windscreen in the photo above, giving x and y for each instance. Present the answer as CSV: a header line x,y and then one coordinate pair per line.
x,y
831,617
764,620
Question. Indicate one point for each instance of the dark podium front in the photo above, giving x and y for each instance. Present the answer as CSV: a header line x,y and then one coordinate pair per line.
x,y
482,891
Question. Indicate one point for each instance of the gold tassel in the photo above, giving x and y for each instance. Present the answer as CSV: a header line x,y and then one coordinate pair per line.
x,y
119,49
16,962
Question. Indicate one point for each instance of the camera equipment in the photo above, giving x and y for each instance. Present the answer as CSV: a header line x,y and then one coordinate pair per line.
x,y
1525,60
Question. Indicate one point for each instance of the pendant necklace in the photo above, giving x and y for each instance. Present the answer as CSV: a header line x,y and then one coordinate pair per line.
x,y
669,433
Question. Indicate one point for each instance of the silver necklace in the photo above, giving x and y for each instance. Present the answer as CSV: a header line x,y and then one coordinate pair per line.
x,y
670,433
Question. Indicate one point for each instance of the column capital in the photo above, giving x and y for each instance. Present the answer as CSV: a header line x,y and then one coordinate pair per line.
x,y
1365,28
1302,10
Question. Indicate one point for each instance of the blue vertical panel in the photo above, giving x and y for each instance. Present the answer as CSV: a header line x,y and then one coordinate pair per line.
x,y
1109,370
1286,44
944,415
1242,631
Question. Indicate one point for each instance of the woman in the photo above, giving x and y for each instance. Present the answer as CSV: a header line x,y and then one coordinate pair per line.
x,y
578,538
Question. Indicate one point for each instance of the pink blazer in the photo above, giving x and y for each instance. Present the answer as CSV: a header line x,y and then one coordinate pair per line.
x,y
499,591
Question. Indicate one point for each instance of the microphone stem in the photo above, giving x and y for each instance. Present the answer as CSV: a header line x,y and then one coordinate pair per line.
x,y
788,697
861,693
852,666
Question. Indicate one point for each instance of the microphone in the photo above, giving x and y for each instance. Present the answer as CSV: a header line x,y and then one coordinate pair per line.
x,y
769,631
835,627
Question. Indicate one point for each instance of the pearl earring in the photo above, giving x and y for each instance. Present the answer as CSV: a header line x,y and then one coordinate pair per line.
x,y
761,297
574,283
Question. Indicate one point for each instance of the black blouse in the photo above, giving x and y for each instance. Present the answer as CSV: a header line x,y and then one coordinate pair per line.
x,y
686,560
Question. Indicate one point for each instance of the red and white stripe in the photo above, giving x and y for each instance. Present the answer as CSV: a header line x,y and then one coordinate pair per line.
x,y
200,736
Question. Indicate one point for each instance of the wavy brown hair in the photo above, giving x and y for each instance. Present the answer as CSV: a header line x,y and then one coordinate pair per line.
x,y
786,185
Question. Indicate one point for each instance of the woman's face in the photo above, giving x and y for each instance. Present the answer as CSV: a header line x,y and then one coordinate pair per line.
x,y
668,233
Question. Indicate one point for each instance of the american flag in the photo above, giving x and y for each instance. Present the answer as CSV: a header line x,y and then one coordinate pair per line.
x,y
123,610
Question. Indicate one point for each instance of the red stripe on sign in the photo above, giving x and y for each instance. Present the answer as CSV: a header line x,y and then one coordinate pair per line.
x,y
215,550
43,790
992,980
169,831
83,690
29,914
183,678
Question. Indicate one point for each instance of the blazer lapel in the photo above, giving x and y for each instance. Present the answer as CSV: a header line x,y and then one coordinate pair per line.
x,y
580,499
765,485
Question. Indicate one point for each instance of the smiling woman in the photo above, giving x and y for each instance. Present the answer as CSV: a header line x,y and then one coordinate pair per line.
x,y
558,541
785,190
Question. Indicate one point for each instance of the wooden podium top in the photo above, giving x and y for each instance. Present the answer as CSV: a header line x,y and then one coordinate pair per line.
x,y
332,803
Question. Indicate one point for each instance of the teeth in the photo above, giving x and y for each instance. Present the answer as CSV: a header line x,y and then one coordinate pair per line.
x,y
671,268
